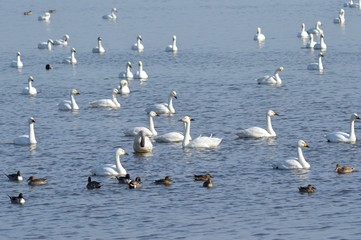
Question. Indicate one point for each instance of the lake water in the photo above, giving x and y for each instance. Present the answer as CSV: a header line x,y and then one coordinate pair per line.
x,y
214,76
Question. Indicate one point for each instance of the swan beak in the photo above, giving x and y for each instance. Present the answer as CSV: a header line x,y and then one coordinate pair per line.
x,y
175,97
306,145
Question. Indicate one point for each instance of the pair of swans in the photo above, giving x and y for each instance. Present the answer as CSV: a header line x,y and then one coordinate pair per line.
x,y
149,132
259,36
342,136
340,19
46,45
107,103
112,15
271,80
140,74
71,59
27,139
294,163
257,132
173,47
99,48
111,169
17,63
142,143
316,30
62,42
69,105
164,108
30,90
303,33
318,65
138,46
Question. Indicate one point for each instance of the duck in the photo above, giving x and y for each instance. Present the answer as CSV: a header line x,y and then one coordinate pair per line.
x,y
142,143
141,74
69,105
318,65
62,42
200,142
27,139
99,48
124,179
124,87
30,90
17,63
311,43
294,163
202,177
45,17
46,45
321,45
48,66
71,59
107,103
167,181
344,169
341,17
259,36
149,132
112,15
111,169
164,108
17,199
302,33
308,189
93,184
342,136
173,47
317,29
352,4
137,183
271,80
28,13
15,177
32,181
257,132
127,74
208,183
138,46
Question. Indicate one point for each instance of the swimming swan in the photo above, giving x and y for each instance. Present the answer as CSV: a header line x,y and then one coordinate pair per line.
x,y
257,132
71,105
17,63
295,163
99,48
27,139
44,17
318,65
149,132
62,42
123,87
311,43
275,79
142,143
141,74
112,15
171,137
111,169
342,136
138,46
259,36
199,142
127,74
107,103
71,59
316,30
173,47
321,45
30,90
341,17
302,33
164,108
46,45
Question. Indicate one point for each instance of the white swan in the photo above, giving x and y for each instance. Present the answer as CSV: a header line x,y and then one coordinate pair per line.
x,y
316,30
259,36
199,142
112,15
27,139
71,59
342,136
111,169
302,33
123,87
321,45
173,47
138,45
44,17
341,17
142,143
107,103
257,132
30,90
46,45
164,108
171,137
318,65
17,63
149,132
352,4
127,74
275,79
295,163
141,74
348,4
99,48
62,42
311,43
71,105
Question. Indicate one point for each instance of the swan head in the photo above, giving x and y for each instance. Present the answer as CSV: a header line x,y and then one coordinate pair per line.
x,y
140,63
31,120
74,92
153,114
174,37
354,116
73,50
19,54
129,64
322,35
139,38
186,119
99,38
31,78
341,11
123,83
174,94
271,113
51,41
303,25
66,37
258,30
116,91
121,151
302,144
280,69
318,24
114,10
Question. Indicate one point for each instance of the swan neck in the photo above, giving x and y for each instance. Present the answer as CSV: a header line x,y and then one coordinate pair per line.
x,y
115,101
269,126
18,59
100,44
74,105
119,166
352,131
32,133
170,104
187,134
320,65
174,45
30,85
151,125
301,158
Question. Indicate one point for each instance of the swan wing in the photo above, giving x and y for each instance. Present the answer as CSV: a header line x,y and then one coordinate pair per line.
x,y
253,132
338,137
205,142
106,103
161,108
170,137
64,105
105,170
287,164
22,140
266,80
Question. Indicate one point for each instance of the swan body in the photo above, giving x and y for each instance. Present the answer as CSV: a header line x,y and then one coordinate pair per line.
x,y
259,36
27,139
318,65
341,17
311,43
99,48
127,74
71,59
302,33
45,17
316,30
171,137
71,105
272,80
295,163
46,45
149,132
164,108
17,199
62,42
257,132
321,45
199,142
142,143
141,74
173,47
342,136
123,87
111,169
107,103
17,63
112,15
30,90
138,46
